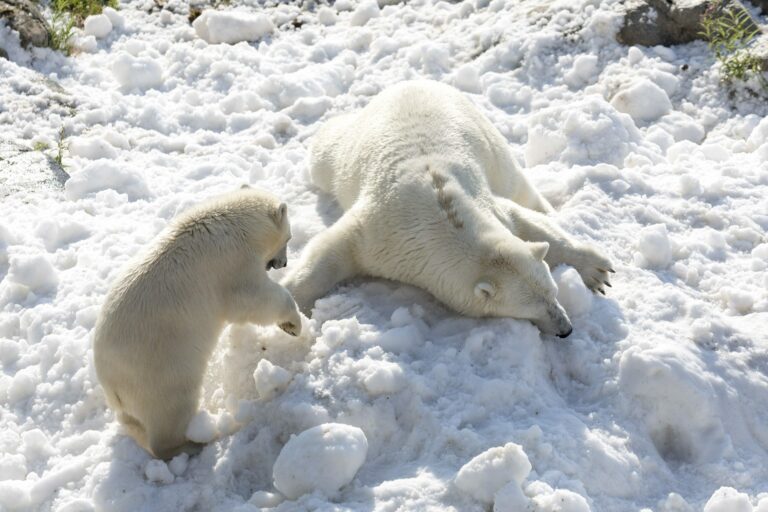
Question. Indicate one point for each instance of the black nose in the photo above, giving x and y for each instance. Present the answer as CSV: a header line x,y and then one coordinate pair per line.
x,y
565,334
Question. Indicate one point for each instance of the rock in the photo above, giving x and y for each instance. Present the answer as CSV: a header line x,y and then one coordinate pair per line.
x,y
23,169
24,17
667,22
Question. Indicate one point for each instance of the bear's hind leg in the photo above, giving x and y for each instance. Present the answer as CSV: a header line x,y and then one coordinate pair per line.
x,y
166,426
328,259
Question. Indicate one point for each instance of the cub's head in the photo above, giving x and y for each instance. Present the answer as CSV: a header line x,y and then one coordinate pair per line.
x,y
268,227
512,280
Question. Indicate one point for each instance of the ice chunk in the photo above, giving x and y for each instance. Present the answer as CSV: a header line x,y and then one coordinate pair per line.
x,y
324,458
137,73
232,26
643,100
98,26
270,379
654,246
488,472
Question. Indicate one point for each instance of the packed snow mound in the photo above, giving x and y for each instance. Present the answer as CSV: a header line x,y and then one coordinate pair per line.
x,y
488,472
137,73
98,26
643,100
106,174
324,458
572,293
232,26
588,131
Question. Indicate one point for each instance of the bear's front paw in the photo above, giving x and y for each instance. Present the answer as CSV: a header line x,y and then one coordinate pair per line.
x,y
593,268
291,328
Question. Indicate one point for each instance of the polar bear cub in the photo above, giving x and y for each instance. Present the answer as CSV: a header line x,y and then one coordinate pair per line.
x,y
162,317
433,197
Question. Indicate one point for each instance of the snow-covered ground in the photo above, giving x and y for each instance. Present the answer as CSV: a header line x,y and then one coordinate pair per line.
x,y
658,400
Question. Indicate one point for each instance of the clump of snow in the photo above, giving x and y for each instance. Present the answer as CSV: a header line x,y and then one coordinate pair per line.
x,y
265,499
115,18
202,428
59,233
157,471
655,249
728,499
561,500
270,379
758,136
324,458
574,296
136,73
33,271
382,377
583,132
584,71
232,26
488,472
327,16
510,498
105,174
643,100
92,148
365,11
97,25
467,79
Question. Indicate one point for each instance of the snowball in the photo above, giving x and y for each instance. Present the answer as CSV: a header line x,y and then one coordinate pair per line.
x,y
35,272
584,71
136,73
654,247
488,472
324,458
115,17
97,25
728,499
23,385
383,378
202,428
571,291
178,465
562,500
157,471
510,498
232,26
92,148
643,100
270,379
366,10
467,79
326,16
87,44
102,175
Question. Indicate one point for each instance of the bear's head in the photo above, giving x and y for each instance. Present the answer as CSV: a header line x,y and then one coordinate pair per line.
x,y
267,226
511,279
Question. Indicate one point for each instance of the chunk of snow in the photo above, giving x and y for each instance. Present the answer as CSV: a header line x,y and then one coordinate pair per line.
x,y
59,233
327,16
654,246
561,500
324,458
137,73
97,25
510,498
92,148
365,11
467,79
574,296
484,475
232,26
728,499
102,175
643,100
202,428
270,379
583,71
382,377
157,471
35,272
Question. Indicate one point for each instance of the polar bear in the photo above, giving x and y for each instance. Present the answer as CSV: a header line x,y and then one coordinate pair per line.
x,y
433,197
163,315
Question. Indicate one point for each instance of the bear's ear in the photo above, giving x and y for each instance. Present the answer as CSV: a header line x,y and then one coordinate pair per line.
x,y
244,185
280,214
539,249
484,290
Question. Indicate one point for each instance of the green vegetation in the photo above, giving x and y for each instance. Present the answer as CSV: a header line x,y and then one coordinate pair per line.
x,y
61,146
70,13
729,32
40,146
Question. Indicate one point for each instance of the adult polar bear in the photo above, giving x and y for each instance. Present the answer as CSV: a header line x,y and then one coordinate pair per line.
x,y
434,198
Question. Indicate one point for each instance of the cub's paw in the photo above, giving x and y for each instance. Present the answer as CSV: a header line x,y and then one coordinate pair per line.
x,y
593,267
294,329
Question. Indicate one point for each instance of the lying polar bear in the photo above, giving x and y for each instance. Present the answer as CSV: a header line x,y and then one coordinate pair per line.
x,y
434,198
162,317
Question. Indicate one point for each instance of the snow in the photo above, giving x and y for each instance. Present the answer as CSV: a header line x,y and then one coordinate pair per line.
x,y
324,458
488,472
657,401
232,26
98,26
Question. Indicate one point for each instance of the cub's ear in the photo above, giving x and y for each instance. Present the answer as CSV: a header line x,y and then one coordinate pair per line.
x,y
280,214
539,249
484,290
244,185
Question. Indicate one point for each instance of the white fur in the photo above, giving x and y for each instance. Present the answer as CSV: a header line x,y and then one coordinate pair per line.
x,y
434,198
162,317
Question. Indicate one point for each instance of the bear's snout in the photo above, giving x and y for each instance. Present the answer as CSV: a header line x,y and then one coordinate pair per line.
x,y
277,263
565,334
